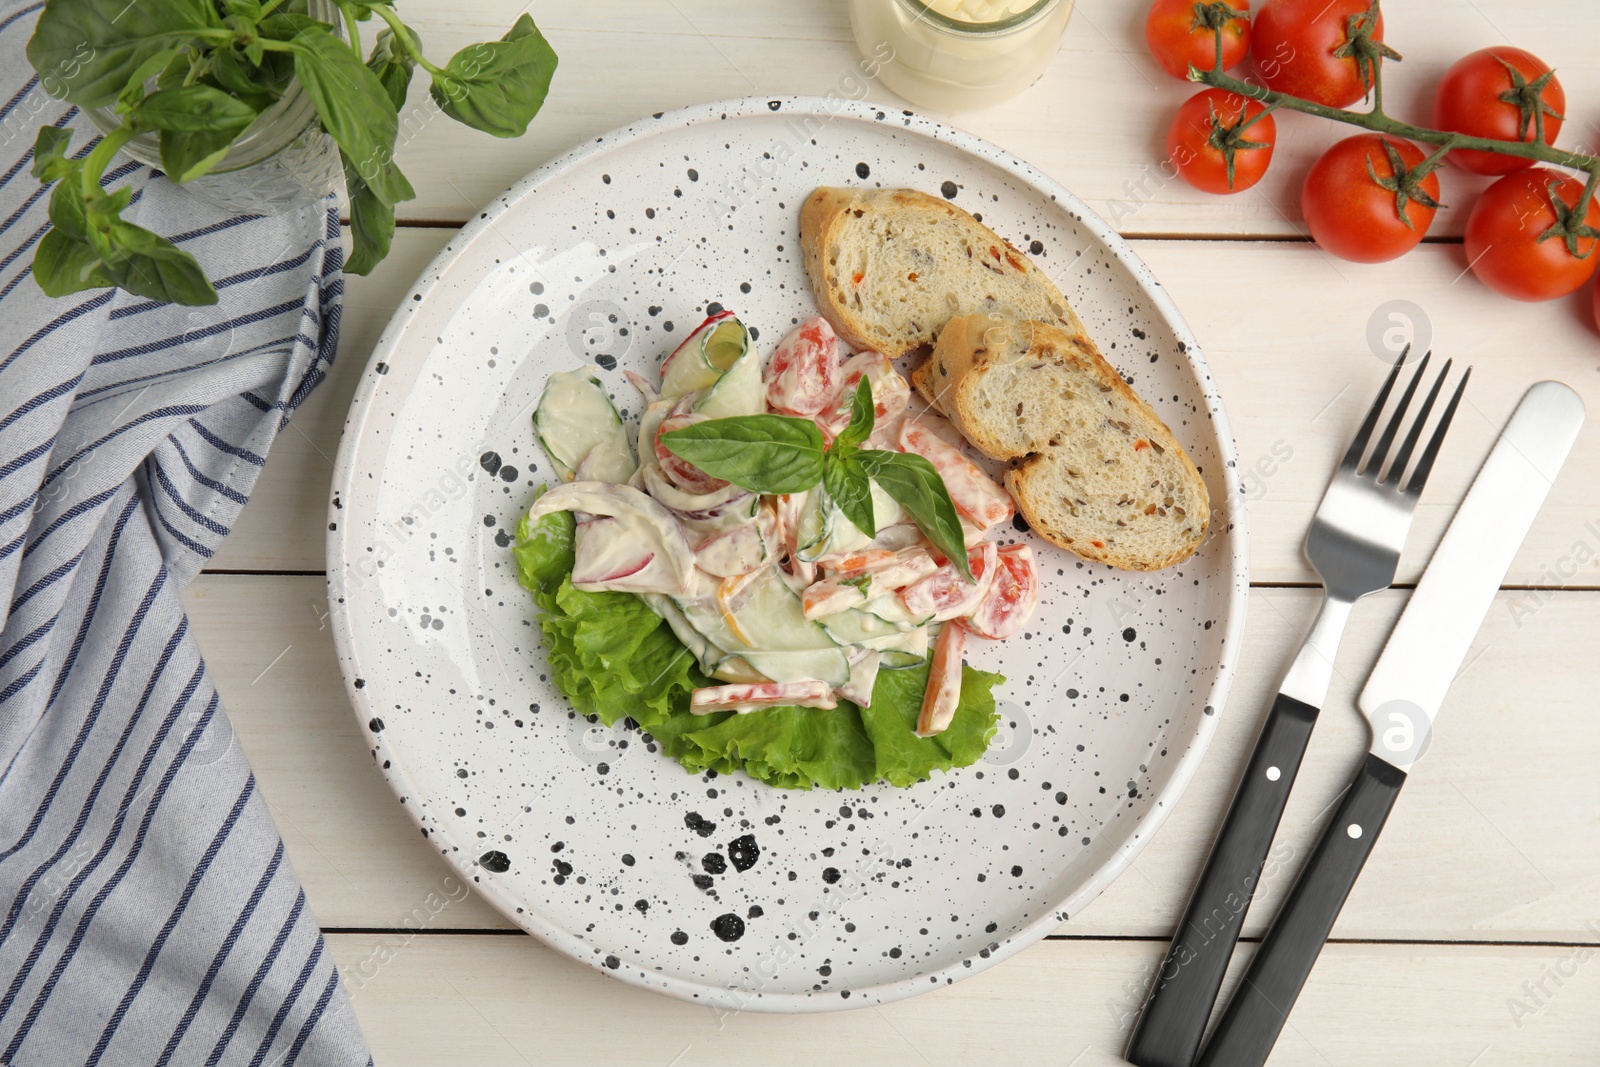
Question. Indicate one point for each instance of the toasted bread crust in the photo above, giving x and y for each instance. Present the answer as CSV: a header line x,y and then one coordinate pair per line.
x,y
975,345
829,210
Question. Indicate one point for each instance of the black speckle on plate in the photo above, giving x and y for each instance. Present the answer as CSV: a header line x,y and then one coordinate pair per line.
x,y
743,852
728,927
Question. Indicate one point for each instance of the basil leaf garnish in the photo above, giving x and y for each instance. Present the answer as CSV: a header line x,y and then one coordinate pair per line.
x,y
915,485
761,453
863,412
845,478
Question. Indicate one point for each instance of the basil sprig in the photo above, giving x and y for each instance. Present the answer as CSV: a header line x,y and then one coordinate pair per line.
x,y
761,453
216,66
781,454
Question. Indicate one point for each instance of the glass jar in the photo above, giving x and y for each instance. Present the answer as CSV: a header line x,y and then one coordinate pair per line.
x,y
947,62
284,160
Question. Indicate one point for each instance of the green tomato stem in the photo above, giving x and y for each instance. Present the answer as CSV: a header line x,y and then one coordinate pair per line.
x,y
1378,122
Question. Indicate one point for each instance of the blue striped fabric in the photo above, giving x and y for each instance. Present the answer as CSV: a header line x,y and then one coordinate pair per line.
x,y
147,912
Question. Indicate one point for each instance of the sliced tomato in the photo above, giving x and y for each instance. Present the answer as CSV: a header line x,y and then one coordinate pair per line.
x,y
850,564
802,375
946,593
889,570
874,577
890,393
830,596
809,693
943,695
1011,598
684,475
974,493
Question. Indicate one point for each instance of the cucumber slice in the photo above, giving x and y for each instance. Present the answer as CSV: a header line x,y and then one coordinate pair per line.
x,y
736,669
830,665
886,510
823,529
811,530
738,392
898,651
863,677
704,356
772,618
696,642
770,632
890,608
853,626
575,421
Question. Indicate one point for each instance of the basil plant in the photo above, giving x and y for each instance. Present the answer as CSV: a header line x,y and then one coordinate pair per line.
x,y
197,73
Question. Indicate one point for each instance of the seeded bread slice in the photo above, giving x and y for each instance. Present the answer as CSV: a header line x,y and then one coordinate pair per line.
x,y
891,266
1092,468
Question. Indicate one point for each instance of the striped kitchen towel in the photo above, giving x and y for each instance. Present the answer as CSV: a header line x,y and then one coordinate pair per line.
x,y
148,914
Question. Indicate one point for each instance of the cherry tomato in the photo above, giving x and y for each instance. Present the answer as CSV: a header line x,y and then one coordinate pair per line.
x,y
800,375
1011,598
1354,217
683,474
1294,44
1503,231
1195,143
1471,100
1179,36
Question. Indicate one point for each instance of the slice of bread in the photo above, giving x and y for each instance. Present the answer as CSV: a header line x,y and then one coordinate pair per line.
x,y
1091,466
891,266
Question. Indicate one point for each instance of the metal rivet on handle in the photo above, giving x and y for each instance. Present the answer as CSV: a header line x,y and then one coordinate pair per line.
x,y
1273,774
1354,830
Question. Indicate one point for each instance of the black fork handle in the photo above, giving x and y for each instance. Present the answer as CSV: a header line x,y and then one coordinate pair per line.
x,y
1174,1019
1261,1005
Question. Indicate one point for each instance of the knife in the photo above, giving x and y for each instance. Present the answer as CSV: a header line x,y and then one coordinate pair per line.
x,y
1401,699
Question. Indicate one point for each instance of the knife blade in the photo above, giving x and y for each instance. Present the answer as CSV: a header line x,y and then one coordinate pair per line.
x,y
1401,699
1428,645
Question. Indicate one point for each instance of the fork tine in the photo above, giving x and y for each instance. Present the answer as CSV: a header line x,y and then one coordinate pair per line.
x,y
1381,449
1358,445
1397,469
1425,464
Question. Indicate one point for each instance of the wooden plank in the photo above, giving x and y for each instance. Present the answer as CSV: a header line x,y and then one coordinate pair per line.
x,y
1298,365
1096,121
1494,837
486,1000
1294,364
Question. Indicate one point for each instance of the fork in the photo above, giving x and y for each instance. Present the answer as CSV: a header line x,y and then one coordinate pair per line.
x,y
1354,544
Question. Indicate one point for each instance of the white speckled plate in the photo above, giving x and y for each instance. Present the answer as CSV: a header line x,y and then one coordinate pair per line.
x,y
587,838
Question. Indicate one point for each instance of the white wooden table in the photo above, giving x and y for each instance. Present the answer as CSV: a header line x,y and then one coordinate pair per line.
x,y
1473,938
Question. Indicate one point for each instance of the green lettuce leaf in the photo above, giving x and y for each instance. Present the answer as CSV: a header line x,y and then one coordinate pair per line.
x,y
616,659
891,722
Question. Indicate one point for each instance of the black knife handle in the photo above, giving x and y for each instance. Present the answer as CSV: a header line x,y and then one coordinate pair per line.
x,y
1174,1019
1260,1006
